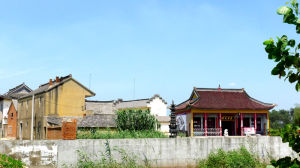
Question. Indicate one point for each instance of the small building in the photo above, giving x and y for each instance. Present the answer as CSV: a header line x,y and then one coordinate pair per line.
x,y
209,112
58,100
156,105
5,103
12,120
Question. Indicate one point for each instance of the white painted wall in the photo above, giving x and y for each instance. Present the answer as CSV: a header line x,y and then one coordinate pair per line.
x,y
164,127
4,110
157,107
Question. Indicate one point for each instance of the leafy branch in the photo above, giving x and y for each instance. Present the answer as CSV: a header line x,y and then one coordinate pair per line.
x,y
288,63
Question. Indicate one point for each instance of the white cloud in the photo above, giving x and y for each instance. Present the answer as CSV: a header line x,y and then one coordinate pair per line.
x,y
15,74
232,84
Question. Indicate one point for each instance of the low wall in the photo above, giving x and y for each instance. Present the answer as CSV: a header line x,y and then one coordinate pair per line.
x,y
164,152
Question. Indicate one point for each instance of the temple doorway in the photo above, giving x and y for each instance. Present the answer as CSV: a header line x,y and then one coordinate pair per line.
x,y
229,125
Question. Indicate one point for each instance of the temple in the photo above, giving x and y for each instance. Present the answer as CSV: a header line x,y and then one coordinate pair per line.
x,y
213,111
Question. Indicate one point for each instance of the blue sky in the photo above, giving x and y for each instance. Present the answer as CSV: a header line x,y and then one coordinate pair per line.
x,y
166,46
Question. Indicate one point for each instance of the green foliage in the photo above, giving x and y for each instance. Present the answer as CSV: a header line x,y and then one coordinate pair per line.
x,y
275,132
9,162
107,160
278,119
297,116
289,134
240,158
288,63
136,120
286,162
110,134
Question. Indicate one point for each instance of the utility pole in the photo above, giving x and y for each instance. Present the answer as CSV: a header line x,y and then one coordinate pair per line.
x,y
133,88
32,114
90,79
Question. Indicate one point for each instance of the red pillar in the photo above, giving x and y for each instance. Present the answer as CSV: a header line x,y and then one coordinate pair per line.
x,y
255,122
241,124
236,126
220,123
205,118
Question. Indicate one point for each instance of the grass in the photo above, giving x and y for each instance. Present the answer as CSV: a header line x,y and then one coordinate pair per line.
x,y
114,134
7,161
106,160
240,158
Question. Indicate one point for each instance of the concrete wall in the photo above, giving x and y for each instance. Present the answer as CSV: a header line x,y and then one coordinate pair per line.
x,y
161,152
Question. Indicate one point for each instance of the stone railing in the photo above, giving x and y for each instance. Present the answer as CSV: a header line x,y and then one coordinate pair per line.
x,y
210,131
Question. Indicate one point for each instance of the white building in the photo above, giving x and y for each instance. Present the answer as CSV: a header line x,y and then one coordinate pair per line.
x,y
6,100
156,105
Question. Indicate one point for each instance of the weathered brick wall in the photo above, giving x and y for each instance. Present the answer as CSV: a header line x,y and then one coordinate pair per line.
x,y
12,122
54,133
69,129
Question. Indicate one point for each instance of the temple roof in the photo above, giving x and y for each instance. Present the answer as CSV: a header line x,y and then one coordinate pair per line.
x,y
222,99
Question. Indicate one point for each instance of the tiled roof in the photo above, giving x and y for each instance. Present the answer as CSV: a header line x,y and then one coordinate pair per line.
x,y
223,99
137,103
16,92
132,104
55,120
46,87
100,107
99,121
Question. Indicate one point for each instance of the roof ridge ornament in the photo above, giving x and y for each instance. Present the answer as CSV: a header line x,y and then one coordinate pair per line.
x,y
219,88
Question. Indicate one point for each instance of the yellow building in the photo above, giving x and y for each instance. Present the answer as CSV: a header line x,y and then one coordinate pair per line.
x,y
62,98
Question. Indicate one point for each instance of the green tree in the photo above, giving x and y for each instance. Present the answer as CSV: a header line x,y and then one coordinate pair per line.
x,y
297,116
285,52
136,120
278,119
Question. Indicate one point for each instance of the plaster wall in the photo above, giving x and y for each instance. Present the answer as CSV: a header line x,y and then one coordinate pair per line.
x,y
161,152
4,110
157,107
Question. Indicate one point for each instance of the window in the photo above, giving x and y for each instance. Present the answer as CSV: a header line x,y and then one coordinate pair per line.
x,y
11,115
211,122
258,123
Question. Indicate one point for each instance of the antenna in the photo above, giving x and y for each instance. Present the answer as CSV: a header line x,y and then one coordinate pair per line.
x,y
90,79
133,88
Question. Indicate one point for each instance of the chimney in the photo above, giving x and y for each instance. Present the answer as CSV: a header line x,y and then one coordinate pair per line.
x,y
50,82
219,88
57,79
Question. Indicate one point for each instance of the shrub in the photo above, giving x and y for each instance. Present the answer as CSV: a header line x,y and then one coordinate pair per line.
x,y
7,161
240,158
275,132
111,134
136,120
